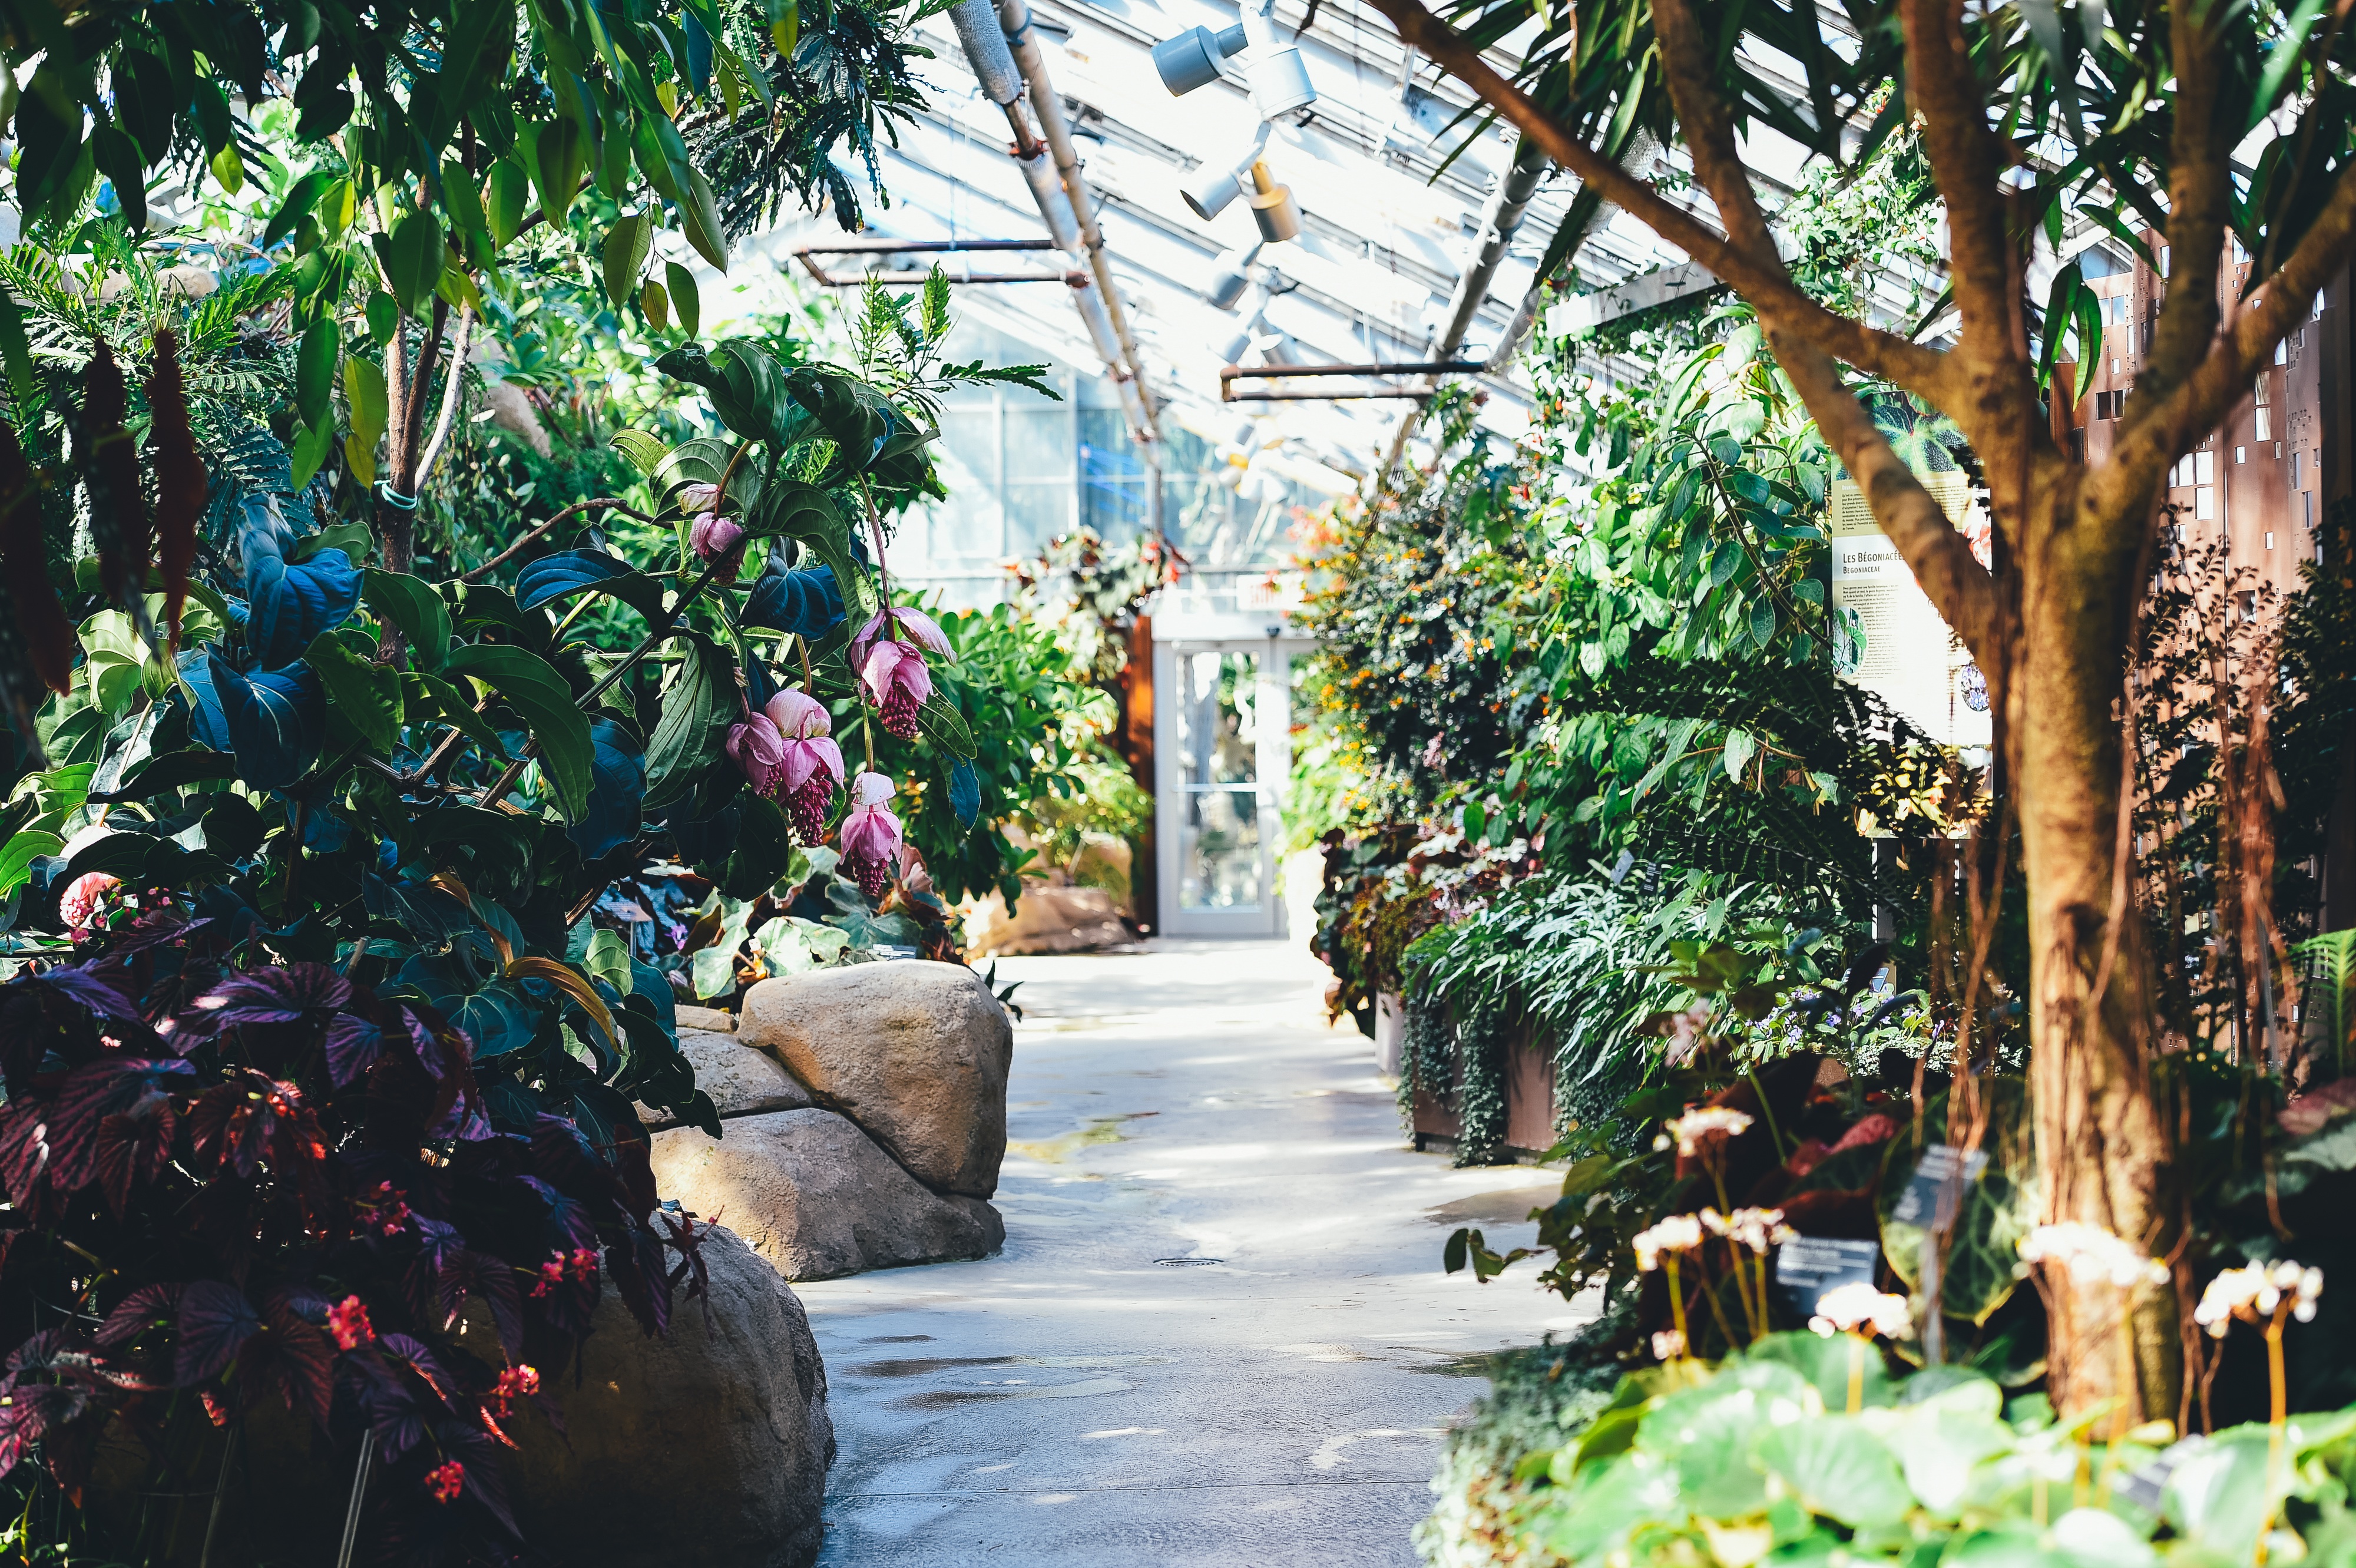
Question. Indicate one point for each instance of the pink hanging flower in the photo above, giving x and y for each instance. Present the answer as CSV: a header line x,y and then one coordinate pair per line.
x,y
913,877
870,835
757,747
911,624
80,905
811,769
896,676
715,538
699,498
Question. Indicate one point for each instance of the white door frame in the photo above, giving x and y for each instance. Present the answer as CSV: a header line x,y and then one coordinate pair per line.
x,y
1273,763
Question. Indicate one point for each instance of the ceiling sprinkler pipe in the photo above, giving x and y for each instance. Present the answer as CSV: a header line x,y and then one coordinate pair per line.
x,y
1055,128
985,47
1054,205
1507,207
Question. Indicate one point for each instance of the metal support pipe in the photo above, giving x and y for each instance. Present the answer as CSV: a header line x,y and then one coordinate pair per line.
x,y
1508,204
1052,176
1056,129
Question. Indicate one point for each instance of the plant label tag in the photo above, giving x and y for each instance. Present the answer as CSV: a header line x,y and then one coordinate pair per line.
x,y
1806,1267
1934,1194
2144,1487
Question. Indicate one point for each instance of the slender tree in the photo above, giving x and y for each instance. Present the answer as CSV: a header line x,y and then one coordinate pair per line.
x,y
2028,113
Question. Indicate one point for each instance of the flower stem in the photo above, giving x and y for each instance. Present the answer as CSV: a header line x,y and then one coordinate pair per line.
x,y
1855,1373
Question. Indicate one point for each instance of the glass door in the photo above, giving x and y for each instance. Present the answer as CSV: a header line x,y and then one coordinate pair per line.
x,y
1218,705
1224,745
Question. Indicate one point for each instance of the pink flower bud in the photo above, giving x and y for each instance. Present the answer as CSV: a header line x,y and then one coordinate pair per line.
x,y
870,837
715,538
896,676
760,751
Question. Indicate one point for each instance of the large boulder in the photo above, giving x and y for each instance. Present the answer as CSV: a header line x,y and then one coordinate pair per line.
x,y
726,1420
705,1448
815,1196
740,1080
916,1053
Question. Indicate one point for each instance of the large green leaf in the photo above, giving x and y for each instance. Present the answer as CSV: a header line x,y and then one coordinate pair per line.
x,y
945,724
531,685
626,253
414,258
748,390
697,712
16,856
1706,1431
411,604
1837,1468
360,691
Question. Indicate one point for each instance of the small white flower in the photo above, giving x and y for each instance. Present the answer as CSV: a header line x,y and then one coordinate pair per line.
x,y
1677,1234
1709,1121
1757,1228
1669,1345
2253,1293
1855,1305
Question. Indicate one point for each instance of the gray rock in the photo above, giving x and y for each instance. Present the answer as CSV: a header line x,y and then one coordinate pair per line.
x,y
916,1053
726,1420
740,1080
810,1193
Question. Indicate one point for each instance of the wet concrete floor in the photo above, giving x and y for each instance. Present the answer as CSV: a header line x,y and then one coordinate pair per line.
x,y
1218,1332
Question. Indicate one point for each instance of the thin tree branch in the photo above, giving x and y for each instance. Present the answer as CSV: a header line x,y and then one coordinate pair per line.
x,y
1767,287
449,398
479,573
1966,162
2199,203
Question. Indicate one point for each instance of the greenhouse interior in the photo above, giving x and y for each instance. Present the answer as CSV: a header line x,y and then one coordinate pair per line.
x,y
1568,786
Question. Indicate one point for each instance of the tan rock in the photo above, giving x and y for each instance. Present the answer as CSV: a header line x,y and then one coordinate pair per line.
x,y
740,1080
1047,918
709,1019
731,1412
916,1053
810,1193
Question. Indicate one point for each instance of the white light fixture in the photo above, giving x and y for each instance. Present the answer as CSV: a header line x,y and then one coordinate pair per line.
x,y
1232,276
1280,89
1192,57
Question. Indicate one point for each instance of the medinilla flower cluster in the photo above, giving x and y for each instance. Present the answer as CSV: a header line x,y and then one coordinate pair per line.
x,y
787,752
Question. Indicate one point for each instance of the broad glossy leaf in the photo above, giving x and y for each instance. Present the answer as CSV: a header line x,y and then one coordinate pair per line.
x,y
616,792
215,1320
451,705
965,792
764,852
18,853
945,724
291,604
552,577
697,712
360,691
645,452
746,387
531,685
271,721
414,259
411,604
806,602
684,297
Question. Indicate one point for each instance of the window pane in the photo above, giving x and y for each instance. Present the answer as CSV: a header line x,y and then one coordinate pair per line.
x,y
1218,727
1218,850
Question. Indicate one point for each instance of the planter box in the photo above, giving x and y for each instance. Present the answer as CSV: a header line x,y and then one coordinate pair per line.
x,y
1529,1106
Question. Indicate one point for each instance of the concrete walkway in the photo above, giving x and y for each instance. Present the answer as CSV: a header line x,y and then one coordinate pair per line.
x,y
1218,1332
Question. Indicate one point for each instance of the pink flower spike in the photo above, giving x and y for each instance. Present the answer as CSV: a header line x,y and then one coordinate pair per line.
x,y
760,751
896,676
914,624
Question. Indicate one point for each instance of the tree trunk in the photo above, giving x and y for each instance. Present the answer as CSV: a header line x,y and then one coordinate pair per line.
x,y
2100,1142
